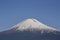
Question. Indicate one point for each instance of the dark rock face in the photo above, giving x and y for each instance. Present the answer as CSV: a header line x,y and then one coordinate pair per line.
x,y
26,35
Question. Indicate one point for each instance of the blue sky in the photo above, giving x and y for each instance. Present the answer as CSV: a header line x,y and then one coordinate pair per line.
x,y
14,11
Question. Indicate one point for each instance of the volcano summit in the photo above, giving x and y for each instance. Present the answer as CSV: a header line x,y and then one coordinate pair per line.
x,y
30,29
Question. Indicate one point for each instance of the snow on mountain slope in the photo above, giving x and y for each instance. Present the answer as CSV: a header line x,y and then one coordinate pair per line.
x,y
30,29
32,25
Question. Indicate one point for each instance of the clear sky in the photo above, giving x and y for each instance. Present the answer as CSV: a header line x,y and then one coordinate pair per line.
x,y
14,11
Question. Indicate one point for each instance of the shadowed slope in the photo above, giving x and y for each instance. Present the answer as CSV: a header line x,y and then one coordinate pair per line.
x,y
26,35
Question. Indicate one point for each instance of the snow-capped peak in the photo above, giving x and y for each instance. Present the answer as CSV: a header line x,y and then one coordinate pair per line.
x,y
32,24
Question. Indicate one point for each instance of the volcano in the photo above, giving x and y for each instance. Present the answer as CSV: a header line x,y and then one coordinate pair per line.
x,y
30,29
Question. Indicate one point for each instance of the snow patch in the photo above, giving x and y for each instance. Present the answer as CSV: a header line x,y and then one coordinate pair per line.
x,y
32,24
